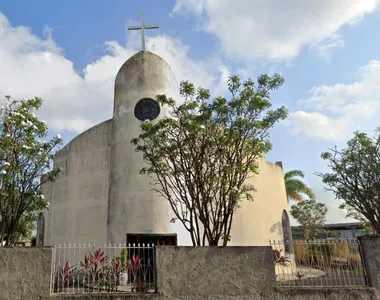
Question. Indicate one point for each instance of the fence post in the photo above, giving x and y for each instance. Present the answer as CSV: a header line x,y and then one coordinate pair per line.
x,y
370,246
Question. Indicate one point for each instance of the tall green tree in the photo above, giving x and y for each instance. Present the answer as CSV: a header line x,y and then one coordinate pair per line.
x,y
354,177
23,158
200,157
296,187
311,215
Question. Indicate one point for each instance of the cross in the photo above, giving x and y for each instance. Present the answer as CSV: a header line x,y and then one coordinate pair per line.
x,y
142,27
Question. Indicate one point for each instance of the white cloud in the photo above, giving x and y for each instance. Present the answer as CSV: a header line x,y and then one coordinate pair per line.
x,y
317,125
275,29
33,66
325,48
201,73
336,109
188,6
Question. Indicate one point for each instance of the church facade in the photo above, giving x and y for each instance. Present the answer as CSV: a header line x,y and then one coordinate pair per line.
x,y
100,197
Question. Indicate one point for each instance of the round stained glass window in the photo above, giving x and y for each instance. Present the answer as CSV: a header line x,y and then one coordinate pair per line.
x,y
147,109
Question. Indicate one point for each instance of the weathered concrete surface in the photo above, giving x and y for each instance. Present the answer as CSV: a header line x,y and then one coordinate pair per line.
x,y
183,273
258,221
79,197
101,197
215,272
25,273
327,294
370,250
133,206
360,294
106,296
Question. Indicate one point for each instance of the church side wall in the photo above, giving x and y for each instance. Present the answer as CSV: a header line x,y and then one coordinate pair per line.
x,y
257,222
79,197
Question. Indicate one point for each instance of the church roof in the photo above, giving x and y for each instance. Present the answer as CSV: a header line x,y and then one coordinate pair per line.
x,y
139,60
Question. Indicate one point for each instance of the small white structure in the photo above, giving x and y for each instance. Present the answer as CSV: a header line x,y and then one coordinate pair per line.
x,y
100,196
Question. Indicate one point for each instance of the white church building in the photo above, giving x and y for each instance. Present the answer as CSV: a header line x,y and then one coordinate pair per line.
x,y
100,197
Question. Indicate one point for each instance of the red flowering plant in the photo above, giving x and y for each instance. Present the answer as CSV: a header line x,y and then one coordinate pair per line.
x,y
94,268
140,286
115,264
64,276
135,266
115,270
279,258
111,274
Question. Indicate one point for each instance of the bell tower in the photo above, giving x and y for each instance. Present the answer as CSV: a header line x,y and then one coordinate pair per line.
x,y
133,207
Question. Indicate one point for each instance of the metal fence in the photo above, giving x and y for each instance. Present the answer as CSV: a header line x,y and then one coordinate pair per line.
x,y
89,268
319,263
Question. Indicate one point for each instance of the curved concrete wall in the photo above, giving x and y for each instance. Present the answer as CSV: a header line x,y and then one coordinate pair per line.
x,y
79,197
257,222
101,197
133,206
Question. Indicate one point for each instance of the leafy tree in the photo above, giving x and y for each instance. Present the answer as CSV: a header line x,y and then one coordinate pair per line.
x,y
295,187
23,158
355,177
200,157
310,215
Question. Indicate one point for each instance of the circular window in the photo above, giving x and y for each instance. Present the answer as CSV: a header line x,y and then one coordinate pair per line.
x,y
147,109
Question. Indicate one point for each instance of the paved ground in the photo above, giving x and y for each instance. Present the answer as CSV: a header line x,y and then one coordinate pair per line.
x,y
305,272
327,278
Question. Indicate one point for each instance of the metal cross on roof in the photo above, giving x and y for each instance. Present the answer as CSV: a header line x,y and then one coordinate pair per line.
x,y
142,27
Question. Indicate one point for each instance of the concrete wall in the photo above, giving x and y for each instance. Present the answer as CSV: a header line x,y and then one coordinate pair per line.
x,y
370,246
223,273
323,294
25,273
327,294
79,197
257,222
133,206
101,197
183,273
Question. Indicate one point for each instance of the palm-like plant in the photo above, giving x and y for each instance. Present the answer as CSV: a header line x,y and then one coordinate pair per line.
x,y
295,187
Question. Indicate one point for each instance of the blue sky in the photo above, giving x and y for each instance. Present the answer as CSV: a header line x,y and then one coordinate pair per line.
x,y
68,52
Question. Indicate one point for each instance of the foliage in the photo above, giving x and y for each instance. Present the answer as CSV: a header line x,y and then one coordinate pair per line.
x,y
295,187
64,276
310,215
99,272
355,177
299,275
323,254
115,264
140,286
23,159
94,268
320,250
124,259
135,266
279,258
200,158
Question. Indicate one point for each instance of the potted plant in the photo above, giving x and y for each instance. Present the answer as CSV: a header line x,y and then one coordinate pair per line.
x,y
123,275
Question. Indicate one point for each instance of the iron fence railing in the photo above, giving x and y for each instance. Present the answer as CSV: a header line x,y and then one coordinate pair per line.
x,y
89,268
319,263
